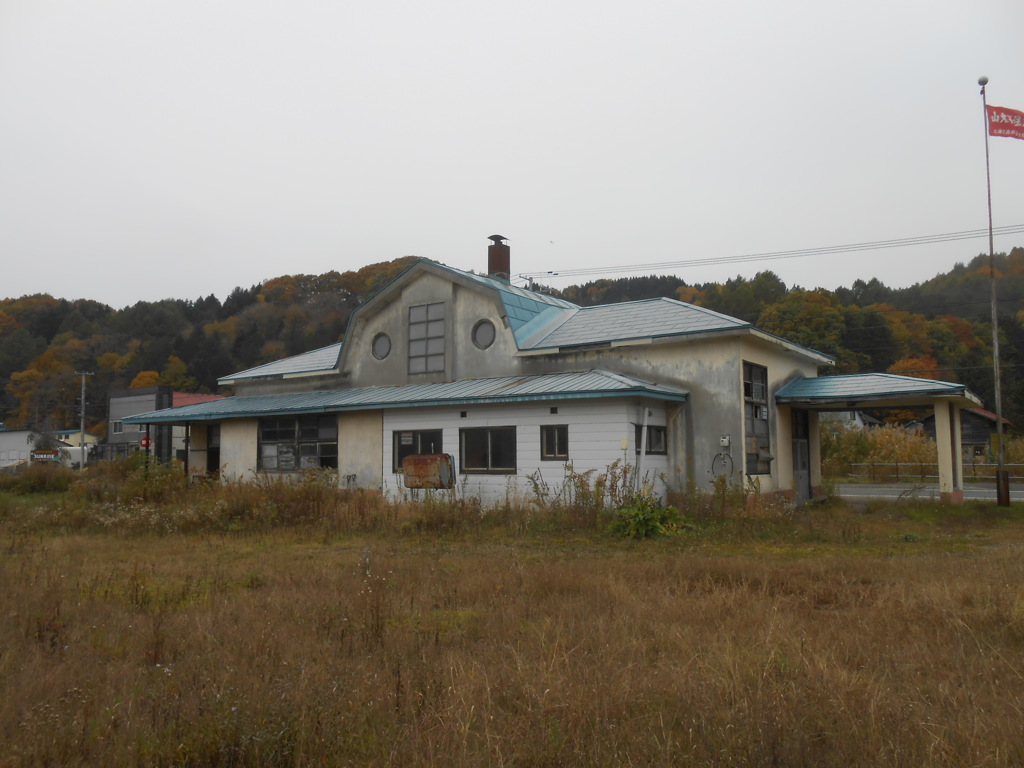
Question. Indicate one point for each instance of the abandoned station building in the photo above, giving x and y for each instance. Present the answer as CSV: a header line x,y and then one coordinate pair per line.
x,y
516,385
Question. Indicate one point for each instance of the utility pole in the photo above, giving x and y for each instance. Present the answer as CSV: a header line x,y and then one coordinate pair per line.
x,y
81,421
1002,476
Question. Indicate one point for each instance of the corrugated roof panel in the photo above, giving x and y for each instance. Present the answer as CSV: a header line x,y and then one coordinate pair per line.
x,y
316,361
635,320
578,385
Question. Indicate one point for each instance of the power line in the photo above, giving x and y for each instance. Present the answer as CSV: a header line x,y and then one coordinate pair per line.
x,y
903,242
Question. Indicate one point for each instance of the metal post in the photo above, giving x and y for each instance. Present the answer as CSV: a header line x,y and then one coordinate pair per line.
x,y
1002,478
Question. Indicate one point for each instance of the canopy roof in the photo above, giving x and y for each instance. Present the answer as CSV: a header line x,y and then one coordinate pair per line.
x,y
872,390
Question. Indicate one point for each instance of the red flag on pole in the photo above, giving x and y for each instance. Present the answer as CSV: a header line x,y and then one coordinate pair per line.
x,y
1005,122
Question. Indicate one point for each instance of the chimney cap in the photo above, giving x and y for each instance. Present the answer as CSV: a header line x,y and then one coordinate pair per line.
x,y
497,239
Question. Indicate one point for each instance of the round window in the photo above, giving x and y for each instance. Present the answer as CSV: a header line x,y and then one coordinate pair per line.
x,y
381,346
483,334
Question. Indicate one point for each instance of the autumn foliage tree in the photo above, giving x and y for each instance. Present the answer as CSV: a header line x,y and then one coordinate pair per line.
x,y
937,329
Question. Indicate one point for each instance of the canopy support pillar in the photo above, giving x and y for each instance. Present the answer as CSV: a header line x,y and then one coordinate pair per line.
x,y
950,455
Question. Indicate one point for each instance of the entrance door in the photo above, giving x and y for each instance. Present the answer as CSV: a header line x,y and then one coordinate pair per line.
x,y
801,456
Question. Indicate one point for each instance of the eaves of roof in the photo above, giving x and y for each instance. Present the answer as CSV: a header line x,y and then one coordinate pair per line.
x,y
503,389
314,362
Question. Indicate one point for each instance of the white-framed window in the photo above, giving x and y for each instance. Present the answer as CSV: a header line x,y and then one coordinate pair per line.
x,y
488,450
426,338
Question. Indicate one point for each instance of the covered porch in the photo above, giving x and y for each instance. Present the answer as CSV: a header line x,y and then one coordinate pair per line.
x,y
886,390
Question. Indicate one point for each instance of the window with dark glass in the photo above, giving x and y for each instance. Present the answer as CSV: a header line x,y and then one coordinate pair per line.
x,y
413,443
488,449
290,443
426,338
554,442
756,424
657,439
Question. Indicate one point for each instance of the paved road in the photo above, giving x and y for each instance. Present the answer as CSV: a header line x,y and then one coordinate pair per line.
x,y
921,491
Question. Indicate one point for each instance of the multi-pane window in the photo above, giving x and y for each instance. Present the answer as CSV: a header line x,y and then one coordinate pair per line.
x,y
657,439
755,409
412,443
488,449
554,442
290,443
426,338
116,427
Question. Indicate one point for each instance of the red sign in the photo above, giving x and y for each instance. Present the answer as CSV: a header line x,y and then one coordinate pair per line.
x,y
146,442
1005,122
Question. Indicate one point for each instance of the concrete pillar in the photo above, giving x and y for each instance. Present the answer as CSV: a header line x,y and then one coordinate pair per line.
x,y
814,436
680,459
782,466
950,455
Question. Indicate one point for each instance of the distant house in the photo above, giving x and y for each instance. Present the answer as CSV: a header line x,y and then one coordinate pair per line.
x,y
516,386
15,446
167,441
849,420
977,428
73,437
19,446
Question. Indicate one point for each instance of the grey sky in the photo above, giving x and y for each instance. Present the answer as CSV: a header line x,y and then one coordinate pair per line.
x,y
177,148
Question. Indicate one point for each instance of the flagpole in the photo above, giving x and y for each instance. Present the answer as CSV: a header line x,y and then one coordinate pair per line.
x,y
1002,478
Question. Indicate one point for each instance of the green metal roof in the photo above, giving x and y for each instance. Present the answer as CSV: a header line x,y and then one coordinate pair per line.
x,y
865,388
502,389
525,309
649,318
316,361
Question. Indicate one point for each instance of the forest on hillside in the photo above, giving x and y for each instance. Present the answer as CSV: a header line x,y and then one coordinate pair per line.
x,y
939,329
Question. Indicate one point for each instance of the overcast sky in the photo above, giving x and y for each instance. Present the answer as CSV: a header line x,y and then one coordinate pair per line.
x,y
176,148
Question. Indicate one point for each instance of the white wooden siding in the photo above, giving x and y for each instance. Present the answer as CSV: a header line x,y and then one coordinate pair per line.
x,y
596,434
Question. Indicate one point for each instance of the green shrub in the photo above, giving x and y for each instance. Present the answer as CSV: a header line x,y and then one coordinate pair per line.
x,y
644,517
38,477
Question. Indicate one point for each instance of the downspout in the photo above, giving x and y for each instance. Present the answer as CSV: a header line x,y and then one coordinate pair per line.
x,y
643,450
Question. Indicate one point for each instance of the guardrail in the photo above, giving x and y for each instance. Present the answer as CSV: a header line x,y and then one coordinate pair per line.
x,y
926,471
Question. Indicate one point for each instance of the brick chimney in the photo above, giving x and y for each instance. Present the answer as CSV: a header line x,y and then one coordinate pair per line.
x,y
498,259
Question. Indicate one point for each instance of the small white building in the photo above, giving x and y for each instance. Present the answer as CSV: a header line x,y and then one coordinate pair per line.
x,y
15,446
518,386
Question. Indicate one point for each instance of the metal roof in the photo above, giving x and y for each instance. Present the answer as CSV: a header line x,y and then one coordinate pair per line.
x,y
541,322
865,388
649,318
523,307
502,389
316,361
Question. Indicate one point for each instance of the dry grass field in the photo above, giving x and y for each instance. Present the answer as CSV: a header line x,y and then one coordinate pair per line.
x,y
343,632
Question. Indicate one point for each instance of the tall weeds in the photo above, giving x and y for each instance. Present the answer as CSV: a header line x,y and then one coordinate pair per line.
x,y
273,649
